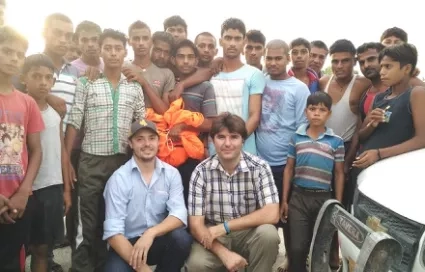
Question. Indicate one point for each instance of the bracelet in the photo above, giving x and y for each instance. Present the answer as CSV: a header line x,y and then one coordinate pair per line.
x,y
226,227
379,154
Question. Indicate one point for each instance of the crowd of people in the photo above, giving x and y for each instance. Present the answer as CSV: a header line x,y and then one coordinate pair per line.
x,y
181,158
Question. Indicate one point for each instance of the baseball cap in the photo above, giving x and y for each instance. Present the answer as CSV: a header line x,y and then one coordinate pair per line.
x,y
142,123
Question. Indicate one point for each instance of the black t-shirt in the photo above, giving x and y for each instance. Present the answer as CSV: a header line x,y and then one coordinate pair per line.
x,y
399,128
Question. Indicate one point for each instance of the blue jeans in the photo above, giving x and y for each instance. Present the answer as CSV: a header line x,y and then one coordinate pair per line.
x,y
168,253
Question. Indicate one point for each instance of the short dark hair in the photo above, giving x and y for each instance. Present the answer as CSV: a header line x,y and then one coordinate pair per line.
x,y
184,43
370,45
113,34
278,44
232,122
404,53
163,37
8,33
56,16
37,60
318,98
138,25
173,21
319,44
341,46
396,32
233,23
300,41
208,34
86,26
256,36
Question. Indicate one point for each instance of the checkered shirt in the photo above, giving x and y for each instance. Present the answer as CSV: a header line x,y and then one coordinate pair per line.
x,y
220,197
107,114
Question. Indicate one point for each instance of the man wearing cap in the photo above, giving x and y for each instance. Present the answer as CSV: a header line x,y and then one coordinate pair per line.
x,y
145,211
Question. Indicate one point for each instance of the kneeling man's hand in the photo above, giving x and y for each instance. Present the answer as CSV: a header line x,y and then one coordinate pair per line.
x,y
234,262
139,255
211,234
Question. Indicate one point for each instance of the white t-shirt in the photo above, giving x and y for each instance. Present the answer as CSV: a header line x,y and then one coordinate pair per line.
x,y
50,172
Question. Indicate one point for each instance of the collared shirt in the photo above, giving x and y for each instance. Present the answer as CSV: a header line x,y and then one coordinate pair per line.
x,y
133,206
315,159
313,79
220,196
107,113
65,84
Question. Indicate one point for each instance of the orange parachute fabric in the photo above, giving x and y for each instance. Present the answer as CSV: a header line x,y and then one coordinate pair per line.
x,y
190,145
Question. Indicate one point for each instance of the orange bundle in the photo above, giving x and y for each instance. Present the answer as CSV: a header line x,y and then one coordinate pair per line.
x,y
190,145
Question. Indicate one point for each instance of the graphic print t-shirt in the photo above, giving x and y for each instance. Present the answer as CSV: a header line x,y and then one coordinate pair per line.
x,y
19,116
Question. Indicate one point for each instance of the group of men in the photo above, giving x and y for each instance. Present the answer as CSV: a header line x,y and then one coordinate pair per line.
x,y
278,142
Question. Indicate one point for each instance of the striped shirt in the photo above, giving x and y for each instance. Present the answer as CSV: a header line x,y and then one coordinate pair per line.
x,y
200,98
65,84
220,197
313,79
315,159
107,113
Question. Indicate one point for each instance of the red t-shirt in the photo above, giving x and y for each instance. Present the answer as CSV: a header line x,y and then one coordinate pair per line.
x,y
19,116
368,102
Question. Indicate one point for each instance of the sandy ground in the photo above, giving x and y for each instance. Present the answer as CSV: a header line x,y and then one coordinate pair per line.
x,y
63,256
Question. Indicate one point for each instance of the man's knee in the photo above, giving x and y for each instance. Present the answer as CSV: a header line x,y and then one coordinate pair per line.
x,y
194,264
200,259
115,263
267,235
182,239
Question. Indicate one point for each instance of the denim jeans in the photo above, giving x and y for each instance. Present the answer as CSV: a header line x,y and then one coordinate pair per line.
x,y
168,253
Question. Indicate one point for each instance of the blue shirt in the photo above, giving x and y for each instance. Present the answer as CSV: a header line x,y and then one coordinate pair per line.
x,y
232,92
315,159
132,206
283,111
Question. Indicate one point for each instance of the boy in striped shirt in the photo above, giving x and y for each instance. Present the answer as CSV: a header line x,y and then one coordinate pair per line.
x,y
315,155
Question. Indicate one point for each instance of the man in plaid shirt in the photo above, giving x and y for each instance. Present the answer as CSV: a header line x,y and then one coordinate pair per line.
x,y
108,107
233,205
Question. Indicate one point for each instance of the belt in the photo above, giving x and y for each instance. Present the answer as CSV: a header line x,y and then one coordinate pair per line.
x,y
312,190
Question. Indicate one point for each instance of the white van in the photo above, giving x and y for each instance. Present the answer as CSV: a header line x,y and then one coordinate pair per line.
x,y
391,198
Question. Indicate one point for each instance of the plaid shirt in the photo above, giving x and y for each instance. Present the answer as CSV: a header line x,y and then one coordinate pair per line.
x,y
107,114
220,197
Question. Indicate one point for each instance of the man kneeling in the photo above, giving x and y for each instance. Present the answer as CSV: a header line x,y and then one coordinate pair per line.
x,y
145,209
233,205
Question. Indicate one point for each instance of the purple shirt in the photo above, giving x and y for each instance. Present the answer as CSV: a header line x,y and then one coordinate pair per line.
x,y
82,67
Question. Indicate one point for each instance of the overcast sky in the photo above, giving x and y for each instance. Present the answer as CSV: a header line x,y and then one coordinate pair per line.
x,y
359,21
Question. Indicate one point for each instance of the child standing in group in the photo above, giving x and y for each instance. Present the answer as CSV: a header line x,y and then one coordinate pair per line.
x,y
315,153
20,151
51,187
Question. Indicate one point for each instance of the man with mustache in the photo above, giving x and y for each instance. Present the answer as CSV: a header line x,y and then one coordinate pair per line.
x,y
318,54
368,58
345,89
